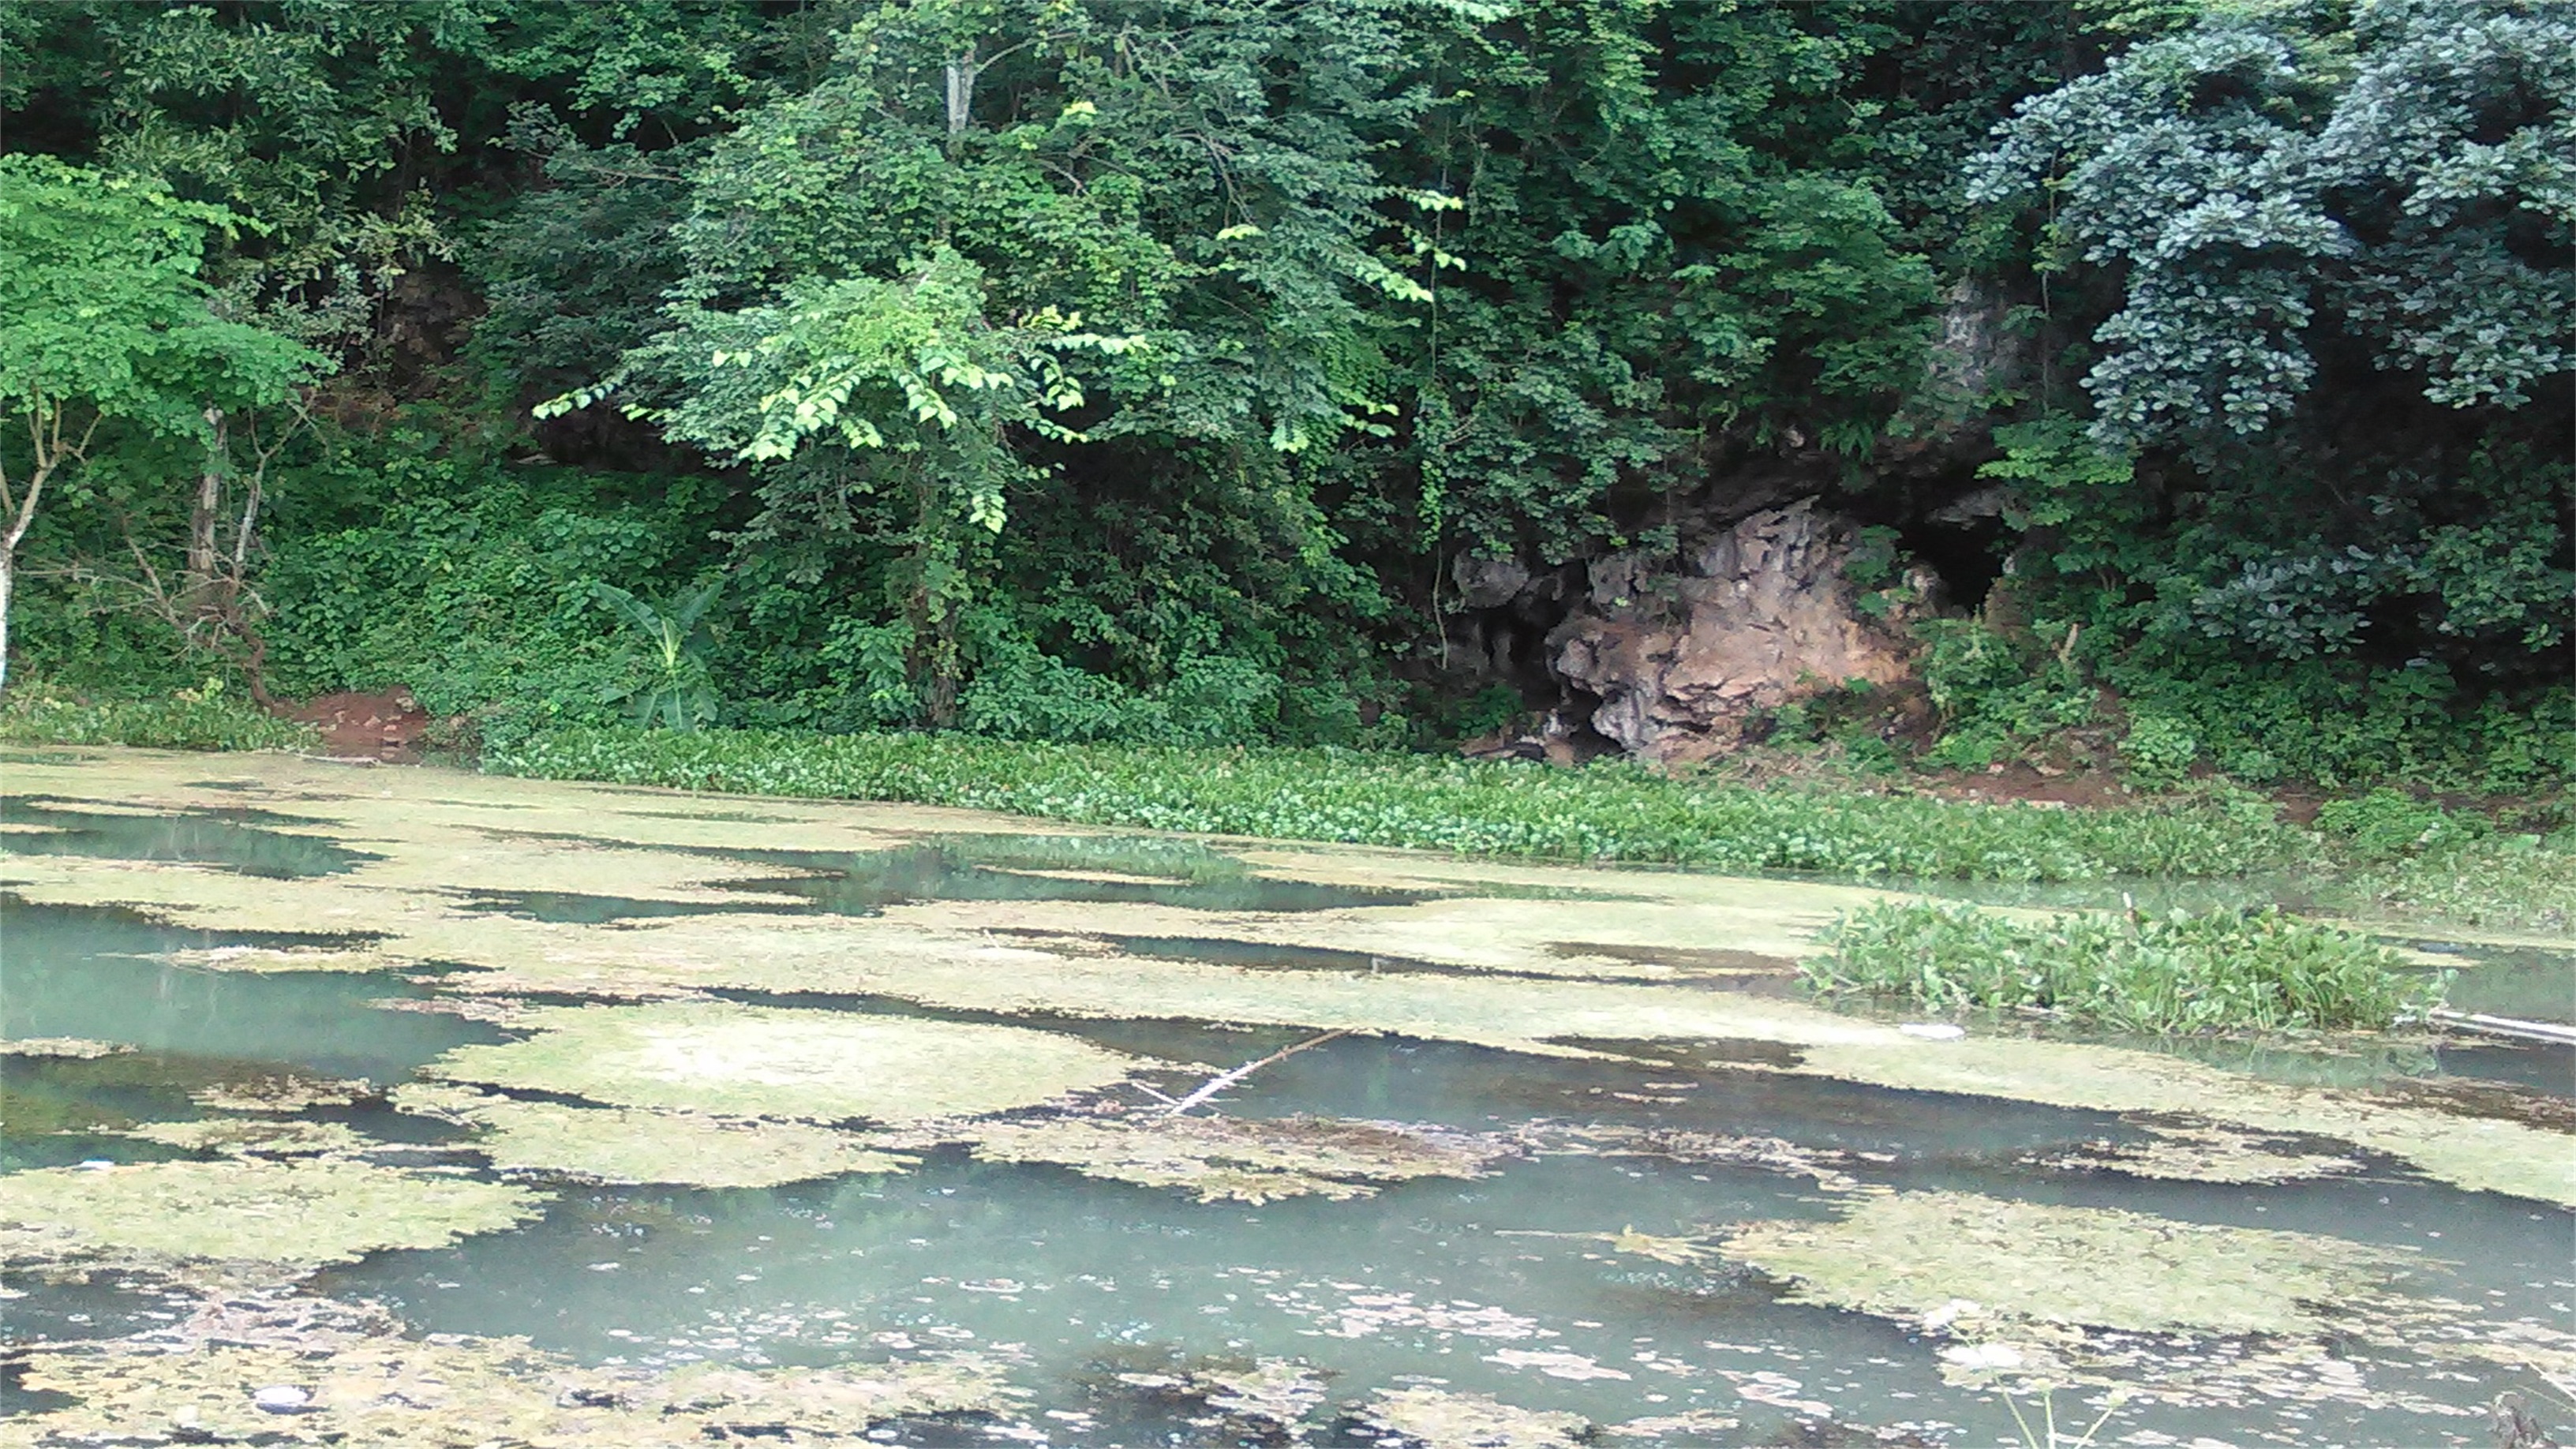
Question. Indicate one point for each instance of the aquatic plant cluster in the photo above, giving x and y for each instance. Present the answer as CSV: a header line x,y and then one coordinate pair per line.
x,y
2220,970
1605,813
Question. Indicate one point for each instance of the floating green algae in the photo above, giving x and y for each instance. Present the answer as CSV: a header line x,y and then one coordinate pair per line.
x,y
1642,969
754,1061
255,1137
68,1048
1237,1160
308,1212
1447,1419
280,1091
639,1145
380,1389
1913,1256
2203,1152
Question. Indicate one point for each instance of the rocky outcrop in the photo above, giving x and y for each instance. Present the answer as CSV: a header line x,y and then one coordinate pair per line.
x,y
1681,651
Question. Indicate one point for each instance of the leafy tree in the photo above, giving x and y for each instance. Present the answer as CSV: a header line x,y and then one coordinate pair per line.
x,y
105,329
2405,189
910,379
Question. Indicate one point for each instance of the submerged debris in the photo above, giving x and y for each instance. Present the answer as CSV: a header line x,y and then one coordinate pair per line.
x,y
759,1061
280,1091
1444,1419
1274,1393
2203,1152
305,1213
256,1137
1663,1428
640,1145
1680,1252
71,1047
1226,1159
1823,1166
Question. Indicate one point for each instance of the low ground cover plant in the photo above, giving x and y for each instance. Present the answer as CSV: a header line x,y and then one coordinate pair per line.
x,y
206,718
1606,812
2173,974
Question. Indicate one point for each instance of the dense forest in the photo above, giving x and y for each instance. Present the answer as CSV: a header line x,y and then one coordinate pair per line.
x,y
2188,380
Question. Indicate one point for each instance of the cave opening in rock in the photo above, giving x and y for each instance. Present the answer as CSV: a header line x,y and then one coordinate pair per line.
x,y
1968,554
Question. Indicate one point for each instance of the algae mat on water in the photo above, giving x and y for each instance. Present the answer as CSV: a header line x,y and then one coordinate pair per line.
x,y
306,1213
1913,1255
754,1061
1597,957
344,1388
637,1145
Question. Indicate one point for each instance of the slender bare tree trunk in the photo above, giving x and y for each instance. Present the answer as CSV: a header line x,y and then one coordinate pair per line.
x,y
197,587
18,522
961,95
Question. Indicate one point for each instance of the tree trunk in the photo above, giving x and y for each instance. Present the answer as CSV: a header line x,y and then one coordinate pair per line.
x,y
18,524
197,587
961,96
8,576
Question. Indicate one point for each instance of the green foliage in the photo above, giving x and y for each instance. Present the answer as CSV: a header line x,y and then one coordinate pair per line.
x,y
2387,825
472,585
1607,812
207,717
2157,751
2520,881
102,316
2264,179
1996,694
666,680
1251,317
104,325
2216,971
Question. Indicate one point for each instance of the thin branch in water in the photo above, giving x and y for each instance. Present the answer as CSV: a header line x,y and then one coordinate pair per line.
x,y
1208,1090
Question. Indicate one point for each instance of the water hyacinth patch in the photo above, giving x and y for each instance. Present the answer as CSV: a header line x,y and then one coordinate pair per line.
x,y
2183,972
1605,812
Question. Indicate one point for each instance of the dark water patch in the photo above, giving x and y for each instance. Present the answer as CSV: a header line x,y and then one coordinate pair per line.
x,y
2533,1066
2529,983
238,840
1704,960
576,908
1267,956
77,971
72,1311
1102,870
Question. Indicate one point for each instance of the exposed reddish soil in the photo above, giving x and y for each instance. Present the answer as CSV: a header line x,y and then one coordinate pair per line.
x,y
386,726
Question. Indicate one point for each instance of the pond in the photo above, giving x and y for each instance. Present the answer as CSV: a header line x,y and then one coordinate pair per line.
x,y
403,1106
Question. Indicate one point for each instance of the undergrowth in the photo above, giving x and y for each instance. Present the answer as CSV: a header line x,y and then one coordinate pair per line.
x,y
1606,812
205,718
2180,973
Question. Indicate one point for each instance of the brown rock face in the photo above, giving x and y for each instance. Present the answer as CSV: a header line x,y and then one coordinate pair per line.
x,y
1681,651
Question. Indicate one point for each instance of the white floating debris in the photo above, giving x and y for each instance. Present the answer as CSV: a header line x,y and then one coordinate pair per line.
x,y
282,1398
1983,1356
1933,1030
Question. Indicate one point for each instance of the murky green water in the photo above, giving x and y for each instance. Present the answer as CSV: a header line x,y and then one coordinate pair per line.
x,y
1098,1292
